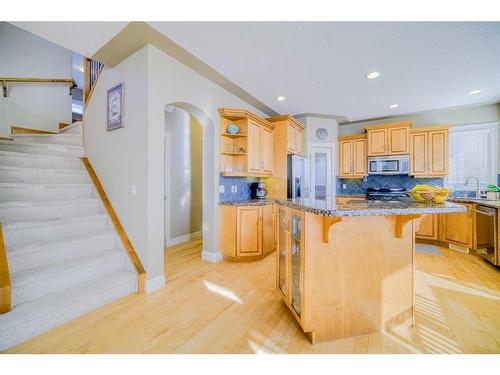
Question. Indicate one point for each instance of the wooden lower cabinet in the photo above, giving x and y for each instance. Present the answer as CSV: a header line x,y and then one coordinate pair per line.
x,y
454,228
428,228
248,232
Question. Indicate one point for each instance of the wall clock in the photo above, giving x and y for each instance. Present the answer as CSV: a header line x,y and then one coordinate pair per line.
x,y
322,133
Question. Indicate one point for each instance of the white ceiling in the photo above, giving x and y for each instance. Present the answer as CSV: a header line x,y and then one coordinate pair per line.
x,y
320,67
85,38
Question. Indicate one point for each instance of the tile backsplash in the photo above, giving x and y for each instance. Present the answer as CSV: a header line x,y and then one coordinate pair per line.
x,y
242,186
359,186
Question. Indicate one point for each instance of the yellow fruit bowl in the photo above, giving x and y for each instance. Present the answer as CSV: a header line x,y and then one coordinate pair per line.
x,y
429,194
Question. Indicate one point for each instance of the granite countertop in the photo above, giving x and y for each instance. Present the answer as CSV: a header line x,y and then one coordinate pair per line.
x,y
484,202
248,202
329,207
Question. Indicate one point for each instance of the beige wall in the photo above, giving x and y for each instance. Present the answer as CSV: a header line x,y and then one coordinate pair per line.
x,y
37,106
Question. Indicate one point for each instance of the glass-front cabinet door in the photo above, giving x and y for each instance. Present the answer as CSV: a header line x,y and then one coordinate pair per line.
x,y
296,254
283,239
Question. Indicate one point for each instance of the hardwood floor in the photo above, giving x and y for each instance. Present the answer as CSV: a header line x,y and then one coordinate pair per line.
x,y
234,308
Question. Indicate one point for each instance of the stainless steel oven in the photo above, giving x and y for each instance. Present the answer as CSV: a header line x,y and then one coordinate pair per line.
x,y
399,164
486,233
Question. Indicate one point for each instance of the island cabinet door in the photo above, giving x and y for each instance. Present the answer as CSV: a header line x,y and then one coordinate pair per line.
x,y
249,231
283,256
296,287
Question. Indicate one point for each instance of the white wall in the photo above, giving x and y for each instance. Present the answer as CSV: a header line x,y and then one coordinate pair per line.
x,y
185,179
38,106
135,153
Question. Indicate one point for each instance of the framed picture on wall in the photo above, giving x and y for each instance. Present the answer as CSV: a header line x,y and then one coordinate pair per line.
x,y
115,107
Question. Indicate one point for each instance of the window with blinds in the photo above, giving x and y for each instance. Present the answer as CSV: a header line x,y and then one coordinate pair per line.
x,y
472,152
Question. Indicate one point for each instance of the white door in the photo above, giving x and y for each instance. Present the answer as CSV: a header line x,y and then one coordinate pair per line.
x,y
321,172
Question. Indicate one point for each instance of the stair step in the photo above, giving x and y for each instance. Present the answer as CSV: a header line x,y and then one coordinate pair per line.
x,y
42,175
20,191
34,317
59,139
41,253
26,160
37,282
42,148
29,210
51,230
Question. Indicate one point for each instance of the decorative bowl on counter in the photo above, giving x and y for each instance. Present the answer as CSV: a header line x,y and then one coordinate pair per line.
x,y
429,194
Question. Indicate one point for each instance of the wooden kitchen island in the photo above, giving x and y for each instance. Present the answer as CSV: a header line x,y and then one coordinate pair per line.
x,y
349,269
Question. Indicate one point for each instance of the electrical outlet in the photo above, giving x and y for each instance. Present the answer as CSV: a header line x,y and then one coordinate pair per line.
x,y
344,186
134,190
221,189
234,189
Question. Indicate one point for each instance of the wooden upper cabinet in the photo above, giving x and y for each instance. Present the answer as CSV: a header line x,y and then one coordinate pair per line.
x,y
266,150
294,133
254,147
389,139
377,142
429,152
438,152
353,162
249,231
249,152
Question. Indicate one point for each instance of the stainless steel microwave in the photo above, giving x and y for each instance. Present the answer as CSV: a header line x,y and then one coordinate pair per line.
x,y
399,164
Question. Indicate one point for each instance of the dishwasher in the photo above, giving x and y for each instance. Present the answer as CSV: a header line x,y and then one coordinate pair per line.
x,y
486,233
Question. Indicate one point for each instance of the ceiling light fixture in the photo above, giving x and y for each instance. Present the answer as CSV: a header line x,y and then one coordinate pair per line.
x,y
394,106
474,92
281,98
372,75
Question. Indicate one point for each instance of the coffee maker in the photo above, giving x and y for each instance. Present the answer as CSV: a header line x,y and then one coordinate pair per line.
x,y
258,190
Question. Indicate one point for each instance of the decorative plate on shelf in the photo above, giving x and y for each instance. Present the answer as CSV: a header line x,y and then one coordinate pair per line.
x,y
233,129
322,133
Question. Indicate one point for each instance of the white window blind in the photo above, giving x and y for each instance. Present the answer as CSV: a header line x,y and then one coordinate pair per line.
x,y
472,153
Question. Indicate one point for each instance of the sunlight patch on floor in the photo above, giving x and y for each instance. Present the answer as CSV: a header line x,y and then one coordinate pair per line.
x,y
222,291
266,346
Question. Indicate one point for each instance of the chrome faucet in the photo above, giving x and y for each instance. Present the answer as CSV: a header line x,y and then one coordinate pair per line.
x,y
478,193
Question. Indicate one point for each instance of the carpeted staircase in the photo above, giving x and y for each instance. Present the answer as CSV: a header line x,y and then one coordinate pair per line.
x,y
65,258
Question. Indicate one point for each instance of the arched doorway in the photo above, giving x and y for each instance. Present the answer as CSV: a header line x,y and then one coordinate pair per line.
x,y
208,177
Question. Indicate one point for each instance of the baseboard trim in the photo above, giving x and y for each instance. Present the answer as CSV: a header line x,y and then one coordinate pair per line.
x,y
180,239
211,256
155,283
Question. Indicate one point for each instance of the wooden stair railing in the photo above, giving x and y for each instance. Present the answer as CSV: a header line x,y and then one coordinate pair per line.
x,y
141,273
91,70
5,80
5,284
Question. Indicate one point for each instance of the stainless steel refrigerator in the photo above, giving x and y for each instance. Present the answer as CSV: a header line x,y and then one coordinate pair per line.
x,y
298,176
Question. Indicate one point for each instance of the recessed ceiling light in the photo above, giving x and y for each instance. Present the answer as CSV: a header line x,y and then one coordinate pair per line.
x,y
372,75
474,92
281,98
394,106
